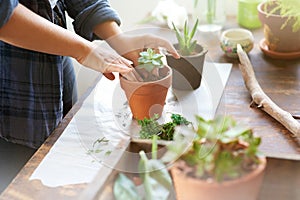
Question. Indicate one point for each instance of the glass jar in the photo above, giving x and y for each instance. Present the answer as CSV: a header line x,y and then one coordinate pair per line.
x,y
247,14
211,15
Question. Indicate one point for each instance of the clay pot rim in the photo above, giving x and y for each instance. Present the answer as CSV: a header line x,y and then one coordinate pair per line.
x,y
148,82
203,52
246,34
265,13
228,183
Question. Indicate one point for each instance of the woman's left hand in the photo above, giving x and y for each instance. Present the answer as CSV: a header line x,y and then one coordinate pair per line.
x,y
130,46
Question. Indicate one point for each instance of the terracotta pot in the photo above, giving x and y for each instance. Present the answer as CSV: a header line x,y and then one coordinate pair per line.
x,y
246,187
147,98
187,71
278,39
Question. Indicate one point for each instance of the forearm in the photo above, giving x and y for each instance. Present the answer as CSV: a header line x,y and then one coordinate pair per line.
x,y
107,31
114,36
130,45
28,30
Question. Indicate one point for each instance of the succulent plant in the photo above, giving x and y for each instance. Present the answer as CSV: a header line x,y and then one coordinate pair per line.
x,y
218,149
150,62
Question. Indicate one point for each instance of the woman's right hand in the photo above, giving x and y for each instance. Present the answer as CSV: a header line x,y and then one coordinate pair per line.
x,y
100,59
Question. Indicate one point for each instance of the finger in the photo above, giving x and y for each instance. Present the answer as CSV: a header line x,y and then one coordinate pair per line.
x,y
129,76
125,61
119,60
160,42
109,76
133,56
121,68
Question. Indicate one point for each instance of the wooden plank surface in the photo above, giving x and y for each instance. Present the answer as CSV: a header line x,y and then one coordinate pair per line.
x,y
280,79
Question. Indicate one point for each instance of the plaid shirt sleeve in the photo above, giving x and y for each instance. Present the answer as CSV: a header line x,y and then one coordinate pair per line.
x,y
6,9
88,13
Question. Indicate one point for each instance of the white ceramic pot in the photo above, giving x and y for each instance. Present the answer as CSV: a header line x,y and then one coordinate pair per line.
x,y
231,37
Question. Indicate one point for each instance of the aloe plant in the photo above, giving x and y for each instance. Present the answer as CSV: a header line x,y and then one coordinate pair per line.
x,y
218,149
186,43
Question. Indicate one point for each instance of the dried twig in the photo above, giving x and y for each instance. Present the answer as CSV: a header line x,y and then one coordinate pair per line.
x,y
261,99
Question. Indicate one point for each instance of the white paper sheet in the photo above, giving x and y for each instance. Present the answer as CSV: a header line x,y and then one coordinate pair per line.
x,y
76,158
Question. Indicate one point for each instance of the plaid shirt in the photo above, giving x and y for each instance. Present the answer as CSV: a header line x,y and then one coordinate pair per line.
x,y
31,83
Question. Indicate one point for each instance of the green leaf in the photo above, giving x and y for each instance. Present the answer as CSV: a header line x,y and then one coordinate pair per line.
x,y
154,147
153,190
159,172
144,54
178,35
226,165
147,66
186,32
178,119
155,62
182,142
149,127
156,179
157,56
235,131
194,29
124,188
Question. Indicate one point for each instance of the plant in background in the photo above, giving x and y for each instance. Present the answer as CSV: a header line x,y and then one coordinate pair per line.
x,y
156,180
287,8
211,10
150,62
168,11
218,149
186,43
187,70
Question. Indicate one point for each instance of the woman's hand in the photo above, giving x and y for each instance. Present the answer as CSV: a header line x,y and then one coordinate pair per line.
x,y
100,59
131,46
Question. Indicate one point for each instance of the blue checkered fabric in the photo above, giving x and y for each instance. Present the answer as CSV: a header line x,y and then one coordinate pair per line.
x,y
32,83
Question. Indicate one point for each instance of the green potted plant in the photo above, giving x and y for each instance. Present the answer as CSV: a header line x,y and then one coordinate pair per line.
x,y
281,21
153,181
187,71
219,159
147,97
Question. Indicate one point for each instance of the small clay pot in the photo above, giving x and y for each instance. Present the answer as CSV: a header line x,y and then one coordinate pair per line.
x,y
246,187
187,71
147,98
231,37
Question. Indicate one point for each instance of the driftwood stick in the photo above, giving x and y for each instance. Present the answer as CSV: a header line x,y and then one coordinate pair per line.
x,y
261,99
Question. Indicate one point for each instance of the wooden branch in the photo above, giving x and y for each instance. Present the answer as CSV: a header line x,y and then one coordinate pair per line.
x,y
261,99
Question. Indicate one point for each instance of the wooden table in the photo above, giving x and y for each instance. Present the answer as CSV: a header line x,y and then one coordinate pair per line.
x,y
280,79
